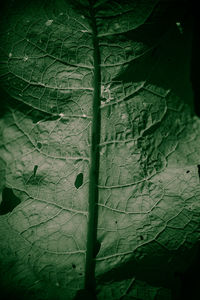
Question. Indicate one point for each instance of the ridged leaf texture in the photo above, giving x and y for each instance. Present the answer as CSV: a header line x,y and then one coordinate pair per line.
x,y
99,150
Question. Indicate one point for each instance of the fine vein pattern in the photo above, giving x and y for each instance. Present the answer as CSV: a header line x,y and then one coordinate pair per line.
x,y
99,150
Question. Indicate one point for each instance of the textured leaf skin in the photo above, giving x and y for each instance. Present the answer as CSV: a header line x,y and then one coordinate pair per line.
x,y
149,192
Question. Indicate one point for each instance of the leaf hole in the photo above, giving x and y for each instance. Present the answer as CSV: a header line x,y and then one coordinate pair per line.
x,y
141,237
9,201
115,222
35,170
39,145
187,171
79,180
73,266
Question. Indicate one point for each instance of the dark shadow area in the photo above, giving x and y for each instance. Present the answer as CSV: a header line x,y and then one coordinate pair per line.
x,y
168,64
85,294
9,201
97,248
176,271
190,280
12,294
4,98
195,62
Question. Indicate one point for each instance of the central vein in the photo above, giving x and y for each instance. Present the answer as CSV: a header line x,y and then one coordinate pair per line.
x,y
94,165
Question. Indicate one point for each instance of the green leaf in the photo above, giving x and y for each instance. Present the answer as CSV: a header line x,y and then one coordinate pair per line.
x,y
99,150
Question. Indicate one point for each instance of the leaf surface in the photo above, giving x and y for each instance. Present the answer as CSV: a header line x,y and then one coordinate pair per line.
x,y
75,72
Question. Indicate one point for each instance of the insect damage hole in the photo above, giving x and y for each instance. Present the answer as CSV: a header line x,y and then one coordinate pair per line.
x,y
35,170
39,145
79,180
9,201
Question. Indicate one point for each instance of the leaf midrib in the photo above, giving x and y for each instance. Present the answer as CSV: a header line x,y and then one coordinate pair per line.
x,y
94,164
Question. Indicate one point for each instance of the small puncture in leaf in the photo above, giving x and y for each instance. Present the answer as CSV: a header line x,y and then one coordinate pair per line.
x,y
35,170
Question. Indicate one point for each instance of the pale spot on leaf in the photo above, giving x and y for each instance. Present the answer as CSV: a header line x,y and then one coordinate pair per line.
x,y
49,22
25,58
103,150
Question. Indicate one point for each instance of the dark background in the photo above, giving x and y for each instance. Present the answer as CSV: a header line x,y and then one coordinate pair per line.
x,y
190,280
